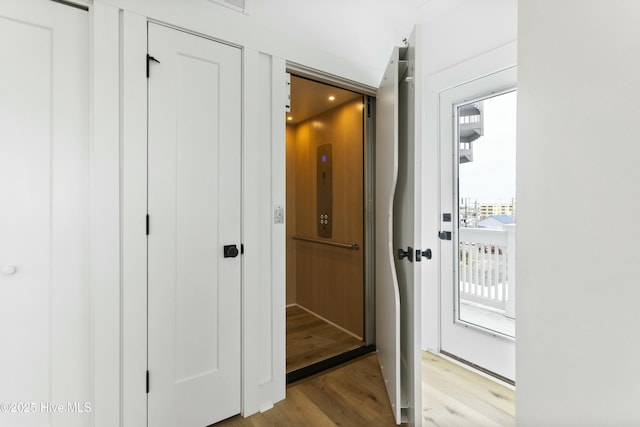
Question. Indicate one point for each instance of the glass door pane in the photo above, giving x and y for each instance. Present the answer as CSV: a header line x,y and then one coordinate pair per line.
x,y
486,171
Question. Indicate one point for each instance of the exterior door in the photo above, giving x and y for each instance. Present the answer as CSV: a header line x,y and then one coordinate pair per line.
x,y
478,222
194,229
44,215
397,275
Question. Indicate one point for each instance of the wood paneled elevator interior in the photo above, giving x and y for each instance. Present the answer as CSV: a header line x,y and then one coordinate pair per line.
x,y
325,222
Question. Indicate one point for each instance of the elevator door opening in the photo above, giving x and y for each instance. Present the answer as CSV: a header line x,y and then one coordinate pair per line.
x,y
325,224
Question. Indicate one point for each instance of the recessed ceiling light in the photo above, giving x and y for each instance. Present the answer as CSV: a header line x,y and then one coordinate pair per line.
x,y
289,118
332,98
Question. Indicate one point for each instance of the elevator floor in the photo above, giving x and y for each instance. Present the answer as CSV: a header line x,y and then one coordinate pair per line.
x,y
311,339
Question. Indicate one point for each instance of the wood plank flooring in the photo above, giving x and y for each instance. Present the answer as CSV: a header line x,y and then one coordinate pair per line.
x,y
350,395
455,396
310,339
354,395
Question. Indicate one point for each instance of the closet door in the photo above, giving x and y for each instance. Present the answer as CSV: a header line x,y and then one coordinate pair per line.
x,y
194,174
45,332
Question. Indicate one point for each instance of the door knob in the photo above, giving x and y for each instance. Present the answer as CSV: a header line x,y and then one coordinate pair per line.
x,y
419,254
8,270
231,251
406,254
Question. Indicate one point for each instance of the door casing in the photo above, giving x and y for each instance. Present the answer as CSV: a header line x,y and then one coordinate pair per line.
x,y
369,182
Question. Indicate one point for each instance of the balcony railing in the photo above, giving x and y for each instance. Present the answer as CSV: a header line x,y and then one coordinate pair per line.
x,y
487,267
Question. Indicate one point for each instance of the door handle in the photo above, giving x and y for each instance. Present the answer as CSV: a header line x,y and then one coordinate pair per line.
x,y
231,251
419,254
406,254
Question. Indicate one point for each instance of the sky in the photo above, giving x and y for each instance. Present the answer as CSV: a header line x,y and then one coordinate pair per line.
x,y
491,177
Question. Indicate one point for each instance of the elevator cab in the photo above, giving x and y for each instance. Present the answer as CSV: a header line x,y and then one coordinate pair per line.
x,y
327,246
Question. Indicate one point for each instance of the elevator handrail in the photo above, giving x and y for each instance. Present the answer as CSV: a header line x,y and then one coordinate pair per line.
x,y
350,246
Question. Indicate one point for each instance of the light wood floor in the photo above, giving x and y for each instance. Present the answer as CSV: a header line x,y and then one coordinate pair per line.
x,y
354,395
310,339
454,396
350,395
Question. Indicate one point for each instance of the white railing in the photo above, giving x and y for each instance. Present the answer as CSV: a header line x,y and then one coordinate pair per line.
x,y
487,267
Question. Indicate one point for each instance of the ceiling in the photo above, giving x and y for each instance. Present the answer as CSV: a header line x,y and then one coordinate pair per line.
x,y
310,98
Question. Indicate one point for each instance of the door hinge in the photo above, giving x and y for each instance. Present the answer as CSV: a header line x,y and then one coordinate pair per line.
x,y
368,107
147,224
149,59
242,249
147,382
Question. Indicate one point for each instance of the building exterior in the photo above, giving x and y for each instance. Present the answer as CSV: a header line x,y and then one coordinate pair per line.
x,y
489,209
471,213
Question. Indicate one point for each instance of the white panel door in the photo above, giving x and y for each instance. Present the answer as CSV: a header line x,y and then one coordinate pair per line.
x,y
387,292
44,215
461,335
406,221
194,211
397,219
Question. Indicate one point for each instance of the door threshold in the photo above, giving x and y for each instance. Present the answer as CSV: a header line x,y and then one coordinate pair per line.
x,y
479,370
332,362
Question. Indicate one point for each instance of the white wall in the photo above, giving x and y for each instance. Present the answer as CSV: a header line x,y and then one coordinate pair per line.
x,y
350,39
458,30
360,32
462,40
578,151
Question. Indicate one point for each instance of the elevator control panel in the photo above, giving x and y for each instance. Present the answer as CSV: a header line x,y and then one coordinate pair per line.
x,y
324,191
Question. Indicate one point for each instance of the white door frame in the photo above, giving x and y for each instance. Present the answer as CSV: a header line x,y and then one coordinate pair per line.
x,y
106,225
263,360
369,94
